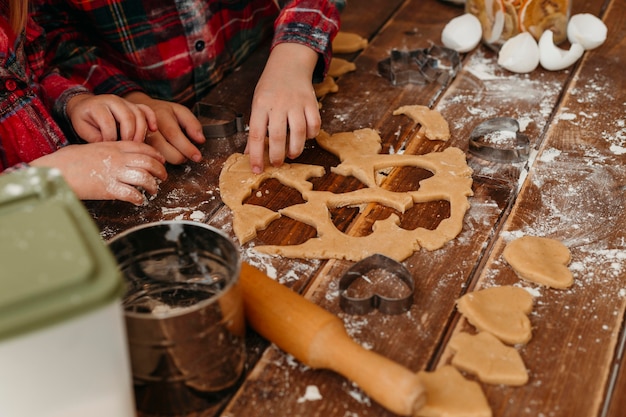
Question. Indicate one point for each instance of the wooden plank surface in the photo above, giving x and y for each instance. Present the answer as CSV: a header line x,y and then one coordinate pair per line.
x,y
572,188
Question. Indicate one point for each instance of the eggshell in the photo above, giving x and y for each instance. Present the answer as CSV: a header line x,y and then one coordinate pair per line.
x,y
587,30
553,58
463,33
519,54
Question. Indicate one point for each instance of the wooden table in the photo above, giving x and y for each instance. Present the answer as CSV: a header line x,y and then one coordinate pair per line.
x,y
572,188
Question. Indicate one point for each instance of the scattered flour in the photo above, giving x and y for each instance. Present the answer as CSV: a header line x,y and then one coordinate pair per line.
x,y
549,155
312,393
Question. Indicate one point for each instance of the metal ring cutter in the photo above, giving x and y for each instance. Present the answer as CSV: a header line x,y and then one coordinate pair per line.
x,y
386,305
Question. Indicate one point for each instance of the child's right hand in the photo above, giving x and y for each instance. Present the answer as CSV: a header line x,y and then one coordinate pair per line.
x,y
109,170
104,117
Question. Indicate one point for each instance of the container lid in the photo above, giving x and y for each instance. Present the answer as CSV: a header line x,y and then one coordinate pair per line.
x,y
53,263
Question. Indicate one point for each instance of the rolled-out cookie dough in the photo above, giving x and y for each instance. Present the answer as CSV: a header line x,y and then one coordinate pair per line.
x,y
541,260
501,311
434,125
347,42
486,356
449,394
358,153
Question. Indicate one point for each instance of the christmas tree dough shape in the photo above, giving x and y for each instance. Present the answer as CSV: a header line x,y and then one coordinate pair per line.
x,y
485,356
340,66
328,85
540,260
358,153
348,42
501,311
449,394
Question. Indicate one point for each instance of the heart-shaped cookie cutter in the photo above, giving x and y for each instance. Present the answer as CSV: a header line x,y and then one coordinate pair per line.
x,y
386,305
516,149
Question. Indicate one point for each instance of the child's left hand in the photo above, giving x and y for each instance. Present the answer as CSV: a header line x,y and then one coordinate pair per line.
x,y
107,117
284,107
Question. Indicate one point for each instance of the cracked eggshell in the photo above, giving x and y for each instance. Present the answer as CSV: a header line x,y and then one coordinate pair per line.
x,y
587,30
519,54
463,33
553,58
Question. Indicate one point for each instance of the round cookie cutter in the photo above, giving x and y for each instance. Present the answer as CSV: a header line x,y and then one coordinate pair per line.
x,y
218,121
516,147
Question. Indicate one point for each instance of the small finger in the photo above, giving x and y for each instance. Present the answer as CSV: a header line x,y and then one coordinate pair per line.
x,y
256,145
297,135
277,130
165,148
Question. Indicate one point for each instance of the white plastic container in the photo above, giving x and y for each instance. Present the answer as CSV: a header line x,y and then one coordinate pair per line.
x,y
63,349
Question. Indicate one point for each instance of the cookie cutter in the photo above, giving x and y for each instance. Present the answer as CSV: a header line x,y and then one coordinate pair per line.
x,y
386,305
218,121
420,66
516,147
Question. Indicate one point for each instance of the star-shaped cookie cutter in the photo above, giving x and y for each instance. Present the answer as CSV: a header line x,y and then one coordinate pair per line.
x,y
420,66
386,305
516,148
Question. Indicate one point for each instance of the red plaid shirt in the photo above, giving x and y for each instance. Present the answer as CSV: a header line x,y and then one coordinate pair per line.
x,y
171,50
29,96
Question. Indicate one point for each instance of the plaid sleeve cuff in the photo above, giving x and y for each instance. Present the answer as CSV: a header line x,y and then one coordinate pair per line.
x,y
314,27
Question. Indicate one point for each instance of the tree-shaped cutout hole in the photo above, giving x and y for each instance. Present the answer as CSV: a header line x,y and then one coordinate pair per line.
x,y
422,215
274,195
403,178
336,184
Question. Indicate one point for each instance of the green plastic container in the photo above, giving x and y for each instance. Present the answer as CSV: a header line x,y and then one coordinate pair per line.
x,y
61,321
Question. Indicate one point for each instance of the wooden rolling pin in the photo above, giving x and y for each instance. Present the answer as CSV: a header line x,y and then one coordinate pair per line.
x,y
318,339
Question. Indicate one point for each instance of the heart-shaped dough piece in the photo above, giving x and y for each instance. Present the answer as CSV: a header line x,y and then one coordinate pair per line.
x,y
501,311
449,394
541,260
486,356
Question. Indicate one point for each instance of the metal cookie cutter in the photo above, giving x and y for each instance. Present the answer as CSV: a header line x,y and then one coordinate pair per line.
x,y
386,305
420,66
499,140
218,121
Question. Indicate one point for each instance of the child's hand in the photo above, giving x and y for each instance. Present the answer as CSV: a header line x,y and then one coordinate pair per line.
x,y
107,117
109,170
177,127
284,106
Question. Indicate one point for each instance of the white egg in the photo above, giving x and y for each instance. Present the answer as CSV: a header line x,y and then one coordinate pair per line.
x,y
463,33
587,30
553,58
519,54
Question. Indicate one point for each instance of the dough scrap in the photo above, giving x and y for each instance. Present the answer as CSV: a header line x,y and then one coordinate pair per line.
x,y
358,153
433,123
540,260
486,356
501,311
328,85
340,66
347,42
449,394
